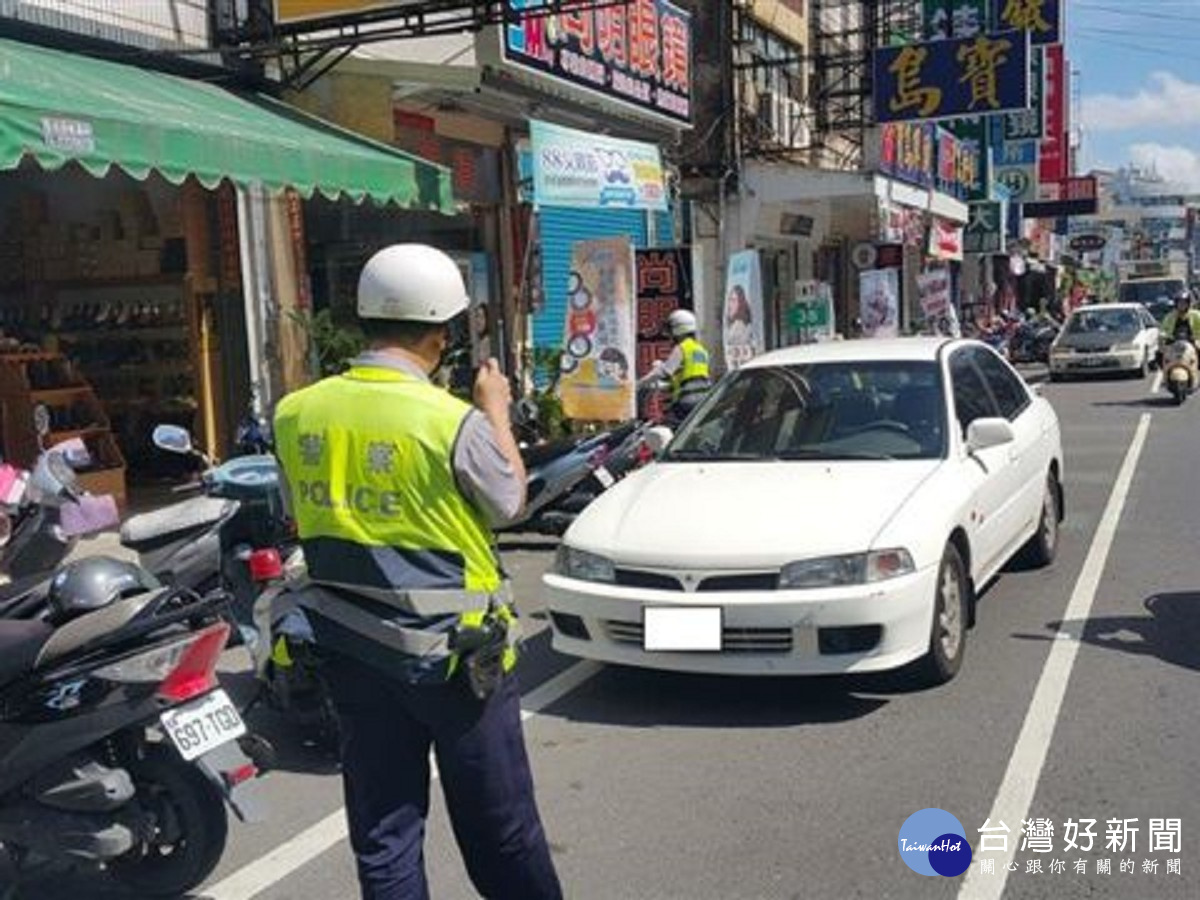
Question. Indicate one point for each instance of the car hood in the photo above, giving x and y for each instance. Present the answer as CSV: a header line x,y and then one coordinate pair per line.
x,y
743,515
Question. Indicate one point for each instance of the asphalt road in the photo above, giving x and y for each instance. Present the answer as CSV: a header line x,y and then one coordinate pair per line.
x,y
1077,701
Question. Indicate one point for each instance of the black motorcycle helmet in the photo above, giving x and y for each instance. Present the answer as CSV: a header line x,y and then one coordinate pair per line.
x,y
93,583
1183,299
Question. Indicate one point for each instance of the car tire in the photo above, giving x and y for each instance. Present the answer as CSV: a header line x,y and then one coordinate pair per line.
x,y
948,633
1056,377
1143,370
1042,548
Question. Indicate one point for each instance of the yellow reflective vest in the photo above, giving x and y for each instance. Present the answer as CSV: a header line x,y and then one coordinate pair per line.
x,y
397,554
693,373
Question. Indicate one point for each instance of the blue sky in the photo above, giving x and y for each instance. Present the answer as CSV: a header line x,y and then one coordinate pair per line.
x,y
1138,83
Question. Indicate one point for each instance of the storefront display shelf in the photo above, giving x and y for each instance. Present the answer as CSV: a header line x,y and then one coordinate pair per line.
x,y
125,333
67,392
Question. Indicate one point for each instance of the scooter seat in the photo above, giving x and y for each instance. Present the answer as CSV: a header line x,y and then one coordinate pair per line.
x,y
20,643
198,512
540,454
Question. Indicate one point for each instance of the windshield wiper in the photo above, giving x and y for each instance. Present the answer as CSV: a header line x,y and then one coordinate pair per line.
x,y
816,453
711,456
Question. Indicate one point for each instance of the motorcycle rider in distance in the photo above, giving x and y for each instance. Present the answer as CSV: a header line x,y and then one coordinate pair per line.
x,y
687,367
1182,323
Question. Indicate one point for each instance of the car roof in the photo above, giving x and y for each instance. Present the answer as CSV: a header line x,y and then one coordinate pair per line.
x,y
912,349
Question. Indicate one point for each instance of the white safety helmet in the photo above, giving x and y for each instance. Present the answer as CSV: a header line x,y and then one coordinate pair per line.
x,y
682,323
411,283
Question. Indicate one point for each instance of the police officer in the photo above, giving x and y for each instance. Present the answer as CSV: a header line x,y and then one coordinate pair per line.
x,y
687,366
393,484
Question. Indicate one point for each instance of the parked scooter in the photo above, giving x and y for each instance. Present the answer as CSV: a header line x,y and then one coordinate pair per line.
x,y
117,745
1181,369
45,512
209,541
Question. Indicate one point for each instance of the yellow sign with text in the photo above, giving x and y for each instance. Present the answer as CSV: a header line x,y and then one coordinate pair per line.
x,y
287,11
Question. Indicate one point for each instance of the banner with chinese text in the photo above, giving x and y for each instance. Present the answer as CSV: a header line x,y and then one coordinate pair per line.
x,y
1043,19
577,168
664,284
598,382
637,53
980,75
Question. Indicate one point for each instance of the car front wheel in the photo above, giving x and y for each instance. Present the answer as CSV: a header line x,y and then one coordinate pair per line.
x,y
948,639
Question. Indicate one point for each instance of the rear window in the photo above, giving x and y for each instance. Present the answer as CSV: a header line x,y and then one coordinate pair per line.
x,y
1150,292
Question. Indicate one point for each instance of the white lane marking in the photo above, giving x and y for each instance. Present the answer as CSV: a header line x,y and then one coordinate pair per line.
x,y
1157,384
1029,754
268,870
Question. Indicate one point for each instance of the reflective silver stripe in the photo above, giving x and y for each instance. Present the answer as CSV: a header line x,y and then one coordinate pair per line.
x,y
427,603
409,641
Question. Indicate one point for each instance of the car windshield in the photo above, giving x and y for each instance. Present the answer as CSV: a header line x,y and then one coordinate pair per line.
x,y
1149,292
825,411
1104,321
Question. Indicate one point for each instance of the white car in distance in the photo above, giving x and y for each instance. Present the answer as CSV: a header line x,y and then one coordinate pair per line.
x,y
827,509
1110,337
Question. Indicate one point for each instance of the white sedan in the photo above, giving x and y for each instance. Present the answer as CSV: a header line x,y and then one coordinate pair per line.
x,y
831,508
1113,337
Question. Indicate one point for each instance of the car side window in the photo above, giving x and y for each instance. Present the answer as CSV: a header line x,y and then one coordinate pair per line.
x,y
971,398
1006,386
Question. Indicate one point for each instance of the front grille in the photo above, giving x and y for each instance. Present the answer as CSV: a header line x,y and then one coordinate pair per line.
x,y
762,641
652,581
755,581
658,581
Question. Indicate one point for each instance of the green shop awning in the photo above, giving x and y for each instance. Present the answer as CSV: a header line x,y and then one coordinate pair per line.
x,y
59,107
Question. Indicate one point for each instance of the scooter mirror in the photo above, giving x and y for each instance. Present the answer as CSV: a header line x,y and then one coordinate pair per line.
x,y
658,437
41,420
172,438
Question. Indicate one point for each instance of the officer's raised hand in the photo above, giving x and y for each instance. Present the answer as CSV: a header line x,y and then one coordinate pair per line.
x,y
493,397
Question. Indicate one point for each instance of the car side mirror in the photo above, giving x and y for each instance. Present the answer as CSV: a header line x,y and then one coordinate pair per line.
x,y
658,437
983,434
172,438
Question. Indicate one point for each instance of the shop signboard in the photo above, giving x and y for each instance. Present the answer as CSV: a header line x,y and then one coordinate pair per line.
x,y
954,18
926,155
742,320
288,12
811,315
664,284
1016,168
980,75
945,240
984,232
1042,19
598,379
1088,243
879,302
1030,124
933,287
1076,197
1054,149
577,168
637,53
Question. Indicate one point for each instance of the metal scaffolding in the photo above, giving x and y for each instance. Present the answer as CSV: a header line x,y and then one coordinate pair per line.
x,y
845,35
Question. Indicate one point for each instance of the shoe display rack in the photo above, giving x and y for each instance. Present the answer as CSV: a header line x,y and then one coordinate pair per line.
x,y
132,344
29,380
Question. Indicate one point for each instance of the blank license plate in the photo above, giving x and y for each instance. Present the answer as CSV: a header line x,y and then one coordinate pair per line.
x,y
686,629
203,725
605,477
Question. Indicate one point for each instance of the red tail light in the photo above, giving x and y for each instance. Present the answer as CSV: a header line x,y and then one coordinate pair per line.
x,y
196,671
265,565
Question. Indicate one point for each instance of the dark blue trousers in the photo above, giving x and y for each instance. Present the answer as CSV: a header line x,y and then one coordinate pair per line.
x,y
388,727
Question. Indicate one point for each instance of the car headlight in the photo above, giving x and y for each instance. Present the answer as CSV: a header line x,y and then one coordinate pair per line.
x,y
584,566
843,571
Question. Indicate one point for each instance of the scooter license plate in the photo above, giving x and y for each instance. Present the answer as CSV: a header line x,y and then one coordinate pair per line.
x,y
203,725
605,477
